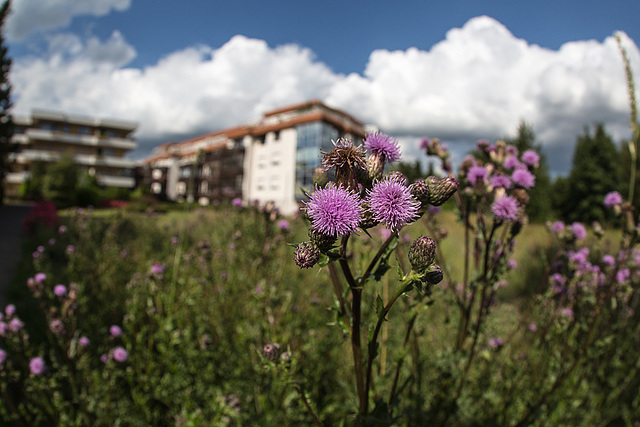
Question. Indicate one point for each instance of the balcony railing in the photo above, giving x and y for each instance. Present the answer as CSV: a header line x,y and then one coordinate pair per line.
x,y
93,140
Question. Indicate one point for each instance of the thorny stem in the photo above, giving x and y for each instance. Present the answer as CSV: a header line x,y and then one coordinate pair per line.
x,y
407,336
316,420
337,288
356,345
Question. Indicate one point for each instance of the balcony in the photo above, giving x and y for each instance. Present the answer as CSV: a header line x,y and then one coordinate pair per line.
x,y
92,140
16,177
116,181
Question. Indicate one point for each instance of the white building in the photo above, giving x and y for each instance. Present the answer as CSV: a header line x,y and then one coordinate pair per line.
x,y
281,152
98,146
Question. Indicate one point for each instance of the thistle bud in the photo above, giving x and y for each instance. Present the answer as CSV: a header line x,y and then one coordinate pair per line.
x,y
320,240
420,190
422,253
375,167
306,255
398,176
271,351
434,274
320,177
441,189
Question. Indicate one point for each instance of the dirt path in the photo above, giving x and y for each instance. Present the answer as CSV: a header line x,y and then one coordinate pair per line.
x,y
12,235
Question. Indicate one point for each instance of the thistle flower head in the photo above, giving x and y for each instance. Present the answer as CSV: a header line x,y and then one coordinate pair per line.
x,y
578,230
523,178
334,211
530,158
348,161
306,255
37,366
391,203
440,190
383,146
271,351
612,199
422,253
476,174
120,354
500,181
505,208
434,274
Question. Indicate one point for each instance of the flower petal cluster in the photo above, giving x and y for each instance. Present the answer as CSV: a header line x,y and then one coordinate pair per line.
x,y
391,202
477,173
530,157
613,198
334,211
505,208
523,178
37,366
383,146
500,181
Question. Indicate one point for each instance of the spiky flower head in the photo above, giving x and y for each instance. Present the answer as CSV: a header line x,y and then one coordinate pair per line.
x,y
391,203
334,211
348,160
434,274
505,208
477,174
306,255
420,190
523,178
440,190
320,240
383,146
271,351
422,253
613,198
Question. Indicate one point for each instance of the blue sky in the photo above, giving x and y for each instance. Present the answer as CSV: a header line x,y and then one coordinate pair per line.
x,y
458,70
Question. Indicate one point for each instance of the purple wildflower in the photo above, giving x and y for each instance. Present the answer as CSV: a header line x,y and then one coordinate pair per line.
x,y
174,240
115,331
505,208
52,242
37,366
511,264
533,327
613,198
237,202
334,211
512,150
566,312
157,268
84,341
530,157
15,325
623,275
557,227
523,178
3,329
3,356
120,354
10,310
511,162
424,144
383,146
60,290
578,230
608,260
283,225
500,181
495,343
56,326
62,229
40,277
477,173
391,203
103,358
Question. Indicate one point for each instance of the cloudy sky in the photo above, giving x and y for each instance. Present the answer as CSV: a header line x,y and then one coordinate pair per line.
x,y
460,70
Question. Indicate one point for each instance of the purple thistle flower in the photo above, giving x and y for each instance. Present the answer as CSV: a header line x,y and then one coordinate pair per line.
x,y
15,325
334,211
500,181
157,268
557,227
523,178
424,144
512,150
383,146
283,225
10,310
59,290
505,208
567,312
533,327
237,202
495,343
608,260
511,162
613,198
56,326
84,341
115,331
70,249
40,277
37,366
391,203
477,173
62,229
530,157
120,354
511,264
578,230
623,275
103,358
3,356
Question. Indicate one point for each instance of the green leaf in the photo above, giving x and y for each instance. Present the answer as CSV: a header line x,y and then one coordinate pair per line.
x,y
379,307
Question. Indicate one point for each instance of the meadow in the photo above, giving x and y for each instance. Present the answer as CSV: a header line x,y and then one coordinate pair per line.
x,y
201,317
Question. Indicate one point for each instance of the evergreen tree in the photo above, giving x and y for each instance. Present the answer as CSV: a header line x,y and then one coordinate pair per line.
x,y
539,207
594,173
61,181
412,171
6,122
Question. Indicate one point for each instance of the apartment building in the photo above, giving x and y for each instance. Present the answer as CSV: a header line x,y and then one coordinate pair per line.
x,y
98,146
270,160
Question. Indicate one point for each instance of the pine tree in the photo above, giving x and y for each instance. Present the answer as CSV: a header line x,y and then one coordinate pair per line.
x,y
6,121
539,207
594,173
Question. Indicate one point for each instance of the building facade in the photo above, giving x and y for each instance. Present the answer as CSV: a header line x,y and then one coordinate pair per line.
x,y
270,160
98,146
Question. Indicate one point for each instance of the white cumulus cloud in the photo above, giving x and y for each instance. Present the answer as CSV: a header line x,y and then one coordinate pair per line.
x,y
31,16
480,81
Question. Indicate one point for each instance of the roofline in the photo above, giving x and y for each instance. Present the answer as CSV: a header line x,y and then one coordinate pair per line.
x,y
311,103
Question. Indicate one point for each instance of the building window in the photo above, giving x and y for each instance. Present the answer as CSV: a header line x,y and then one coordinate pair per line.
x,y
204,187
156,188
275,158
182,188
275,184
185,172
206,170
156,174
313,139
84,130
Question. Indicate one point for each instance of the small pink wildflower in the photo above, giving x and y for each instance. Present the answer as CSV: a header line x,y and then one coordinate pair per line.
x,y
115,331
119,354
37,366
